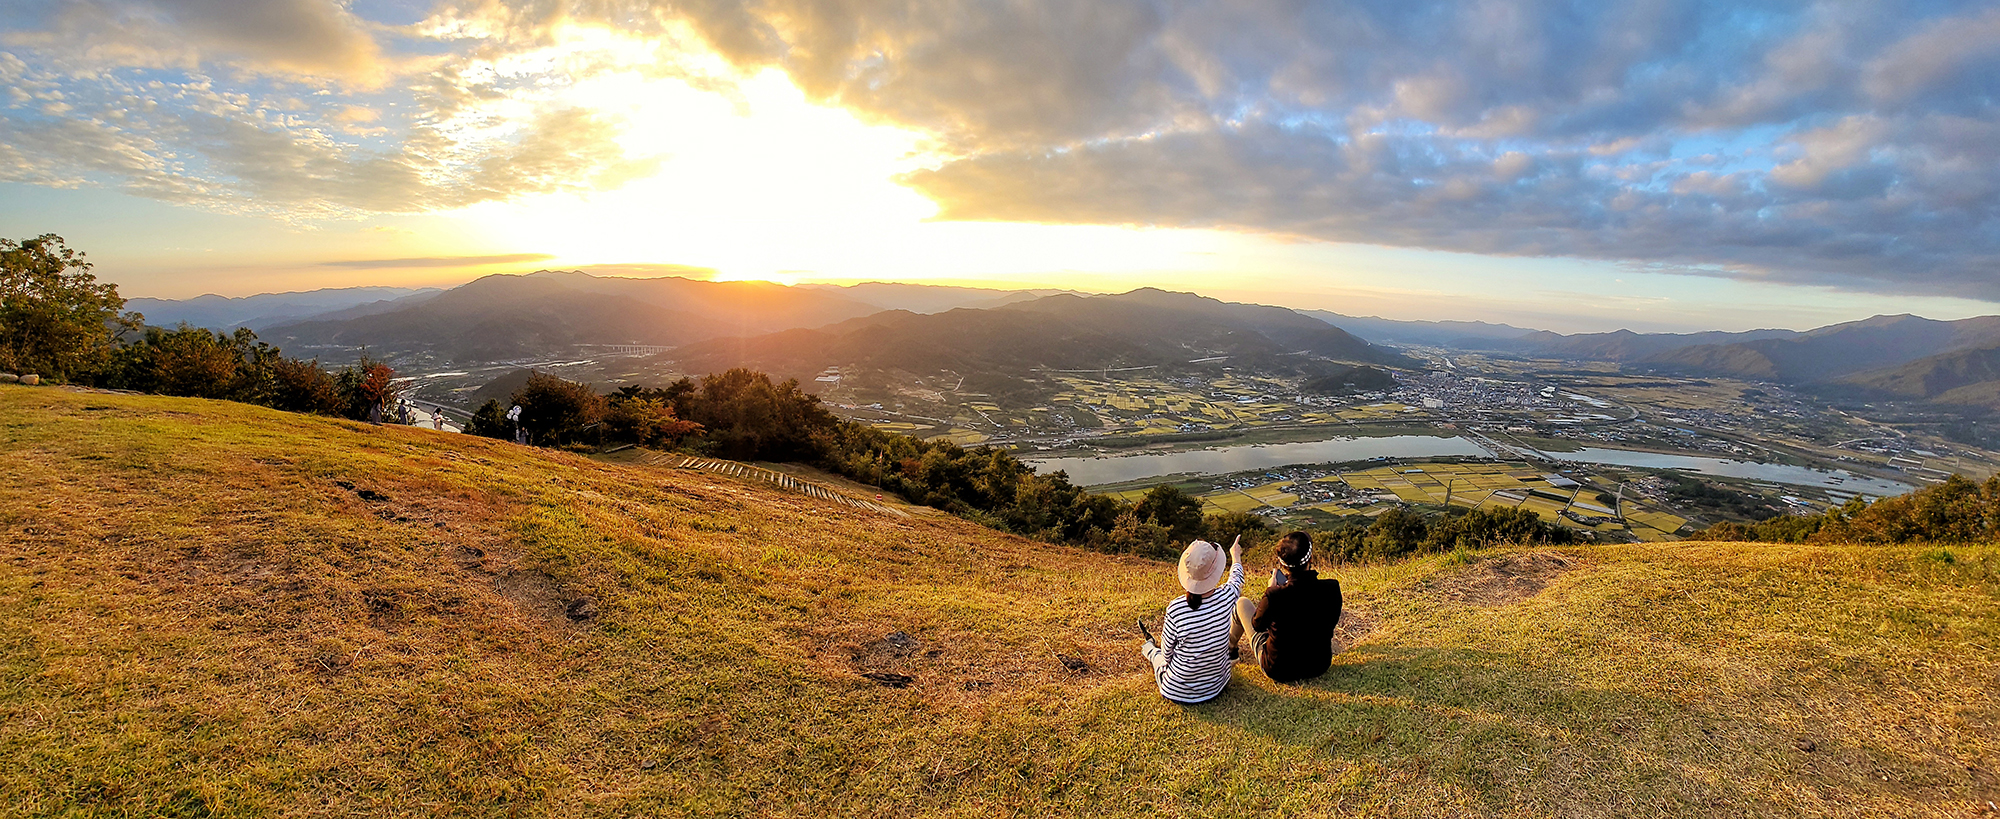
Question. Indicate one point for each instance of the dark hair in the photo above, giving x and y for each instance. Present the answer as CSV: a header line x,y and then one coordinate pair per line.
x,y
1295,550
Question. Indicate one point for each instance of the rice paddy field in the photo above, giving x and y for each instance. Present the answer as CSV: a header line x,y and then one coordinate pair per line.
x,y
1468,485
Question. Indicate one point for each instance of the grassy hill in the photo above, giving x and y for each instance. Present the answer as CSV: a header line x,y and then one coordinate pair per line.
x,y
217,609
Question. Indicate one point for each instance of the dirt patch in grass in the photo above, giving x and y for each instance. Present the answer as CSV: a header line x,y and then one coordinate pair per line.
x,y
1500,580
1355,626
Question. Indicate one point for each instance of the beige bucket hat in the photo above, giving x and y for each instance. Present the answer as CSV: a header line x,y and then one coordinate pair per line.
x,y
1201,567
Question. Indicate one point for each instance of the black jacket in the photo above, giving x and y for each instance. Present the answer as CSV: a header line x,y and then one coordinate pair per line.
x,y
1300,616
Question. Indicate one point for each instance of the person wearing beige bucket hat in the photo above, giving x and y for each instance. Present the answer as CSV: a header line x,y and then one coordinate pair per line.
x,y
1191,661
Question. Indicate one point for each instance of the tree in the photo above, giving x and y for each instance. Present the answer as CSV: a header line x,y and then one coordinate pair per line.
x,y
749,417
555,411
1179,513
646,421
55,319
367,385
1224,527
302,386
490,421
1132,536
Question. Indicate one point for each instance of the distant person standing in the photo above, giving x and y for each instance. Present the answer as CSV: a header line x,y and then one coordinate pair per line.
x,y
1191,661
437,417
1292,627
375,412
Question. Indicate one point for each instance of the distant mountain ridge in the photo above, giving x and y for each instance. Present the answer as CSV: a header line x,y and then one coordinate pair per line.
x,y
1145,328
514,315
503,317
1625,345
1454,334
265,309
931,298
1837,350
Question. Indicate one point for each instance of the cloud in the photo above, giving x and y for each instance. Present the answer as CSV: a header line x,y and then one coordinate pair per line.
x,y
438,261
190,140
1843,143
306,37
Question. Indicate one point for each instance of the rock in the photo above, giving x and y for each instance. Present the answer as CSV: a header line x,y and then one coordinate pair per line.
x,y
370,495
1076,665
9,378
31,379
888,680
580,609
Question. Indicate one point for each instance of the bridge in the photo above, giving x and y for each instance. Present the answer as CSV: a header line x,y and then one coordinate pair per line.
x,y
626,349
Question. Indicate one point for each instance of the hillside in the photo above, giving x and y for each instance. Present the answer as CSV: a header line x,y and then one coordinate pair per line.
x,y
213,608
1143,328
1837,350
265,309
1970,377
1458,334
1625,345
927,298
503,317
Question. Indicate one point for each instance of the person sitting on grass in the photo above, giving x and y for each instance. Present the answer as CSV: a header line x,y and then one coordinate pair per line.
x,y
1292,627
1191,660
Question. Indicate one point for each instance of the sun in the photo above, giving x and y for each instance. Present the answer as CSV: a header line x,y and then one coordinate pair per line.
x,y
748,176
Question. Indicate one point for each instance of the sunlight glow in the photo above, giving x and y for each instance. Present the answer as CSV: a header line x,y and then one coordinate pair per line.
x,y
756,181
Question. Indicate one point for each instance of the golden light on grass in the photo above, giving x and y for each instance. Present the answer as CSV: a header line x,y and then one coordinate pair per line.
x,y
196,615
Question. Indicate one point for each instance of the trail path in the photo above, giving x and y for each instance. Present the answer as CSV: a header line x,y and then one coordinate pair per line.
x,y
742,470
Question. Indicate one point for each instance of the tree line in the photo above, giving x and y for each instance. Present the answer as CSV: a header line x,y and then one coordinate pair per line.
x,y
1955,511
744,415
59,322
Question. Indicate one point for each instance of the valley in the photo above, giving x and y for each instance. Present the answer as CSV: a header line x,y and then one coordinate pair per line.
x,y
1126,390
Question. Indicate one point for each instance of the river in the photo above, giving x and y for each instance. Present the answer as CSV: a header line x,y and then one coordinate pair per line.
x,y
1750,470
1106,469
1094,471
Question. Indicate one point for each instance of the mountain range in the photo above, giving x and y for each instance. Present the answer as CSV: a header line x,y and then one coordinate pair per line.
x,y
802,330
270,309
1145,328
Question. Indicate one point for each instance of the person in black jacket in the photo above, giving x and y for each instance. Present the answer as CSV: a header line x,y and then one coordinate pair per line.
x,y
1291,628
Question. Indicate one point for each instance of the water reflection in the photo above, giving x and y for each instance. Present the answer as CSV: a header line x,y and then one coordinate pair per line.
x,y
1099,470
1749,470
1117,468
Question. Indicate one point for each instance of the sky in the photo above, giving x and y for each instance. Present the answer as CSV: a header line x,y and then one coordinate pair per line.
x,y
1657,165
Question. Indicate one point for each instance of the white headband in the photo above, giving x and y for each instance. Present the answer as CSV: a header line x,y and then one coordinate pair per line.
x,y
1304,559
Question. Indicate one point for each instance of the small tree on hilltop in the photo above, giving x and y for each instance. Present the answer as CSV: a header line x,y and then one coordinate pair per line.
x,y
55,319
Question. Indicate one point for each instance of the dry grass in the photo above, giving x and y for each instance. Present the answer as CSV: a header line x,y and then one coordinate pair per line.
x,y
197,618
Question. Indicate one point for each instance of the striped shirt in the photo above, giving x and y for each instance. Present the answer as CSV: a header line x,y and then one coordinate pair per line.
x,y
1192,663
